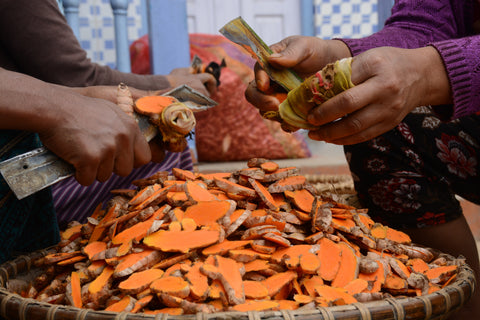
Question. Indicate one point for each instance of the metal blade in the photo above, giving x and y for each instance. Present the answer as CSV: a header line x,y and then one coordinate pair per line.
x,y
40,168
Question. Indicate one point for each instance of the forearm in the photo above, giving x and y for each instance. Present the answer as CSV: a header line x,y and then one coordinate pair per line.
x,y
32,110
413,26
57,59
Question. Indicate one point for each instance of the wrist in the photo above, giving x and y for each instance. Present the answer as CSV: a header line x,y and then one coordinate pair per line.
x,y
337,49
437,90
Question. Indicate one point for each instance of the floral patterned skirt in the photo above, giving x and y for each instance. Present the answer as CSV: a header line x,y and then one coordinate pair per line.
x,y
409,177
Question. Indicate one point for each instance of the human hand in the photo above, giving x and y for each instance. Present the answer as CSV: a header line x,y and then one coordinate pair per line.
x,y
204,83
389,83
304,55
96,137
110,93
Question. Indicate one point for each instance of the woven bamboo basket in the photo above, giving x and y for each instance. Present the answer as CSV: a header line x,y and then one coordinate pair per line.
x,y
438,305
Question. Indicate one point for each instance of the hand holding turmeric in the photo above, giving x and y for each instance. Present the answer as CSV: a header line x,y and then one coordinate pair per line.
x,y
312,92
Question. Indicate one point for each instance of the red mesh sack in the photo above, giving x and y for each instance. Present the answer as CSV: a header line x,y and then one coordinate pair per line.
x,y
234,129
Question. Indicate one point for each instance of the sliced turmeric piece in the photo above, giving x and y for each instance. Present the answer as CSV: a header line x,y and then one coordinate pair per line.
x,y
292,254
143,194
356,286
344,225
255,290
224,247
259,231
208,212
76,290
196,193
227,271
400,268
398,236
310,283
135,261
188,224
237,218
141,303
395,282
264,194
375,279
335,296
302,199
281,173
126,304
269,166
254,173
440,274
152,105
60,256
256,265
246,255
136,232
309,263
182,174
234,188
198,282
98,288
417,265
290,183
181,241
303,298
378,231
263,246
71,261
139,281
349,266
174,286
276,282
253,305
156,196
330,259
72,232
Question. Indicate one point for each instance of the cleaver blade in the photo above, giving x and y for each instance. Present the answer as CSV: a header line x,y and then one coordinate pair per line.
x,y
35,170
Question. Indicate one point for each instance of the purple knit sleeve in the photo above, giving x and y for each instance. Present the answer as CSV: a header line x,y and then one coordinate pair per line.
x,y
440,23
462,61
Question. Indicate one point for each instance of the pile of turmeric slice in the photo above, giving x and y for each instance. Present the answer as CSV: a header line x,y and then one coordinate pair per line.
x,y
257,239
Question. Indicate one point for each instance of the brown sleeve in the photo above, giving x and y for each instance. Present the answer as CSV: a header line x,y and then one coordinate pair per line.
x,y
35,39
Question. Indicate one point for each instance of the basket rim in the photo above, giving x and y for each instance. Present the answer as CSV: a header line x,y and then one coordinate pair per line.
x,y
452,297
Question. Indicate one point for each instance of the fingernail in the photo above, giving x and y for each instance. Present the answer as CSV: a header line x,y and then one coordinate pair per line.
x,y
275,55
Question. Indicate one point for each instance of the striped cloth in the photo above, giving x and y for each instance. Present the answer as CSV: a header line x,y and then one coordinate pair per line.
x,y
74,202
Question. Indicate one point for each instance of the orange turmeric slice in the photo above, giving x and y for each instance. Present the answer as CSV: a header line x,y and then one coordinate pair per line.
x,y
264,194
196,193
276,282
208,212
181,241
349,266
139,281
255,290
171,285
224,247
151,105
76,290
290,183
126,304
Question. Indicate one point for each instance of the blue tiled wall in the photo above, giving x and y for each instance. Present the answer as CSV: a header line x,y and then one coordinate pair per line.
x,y
345,18
333,18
